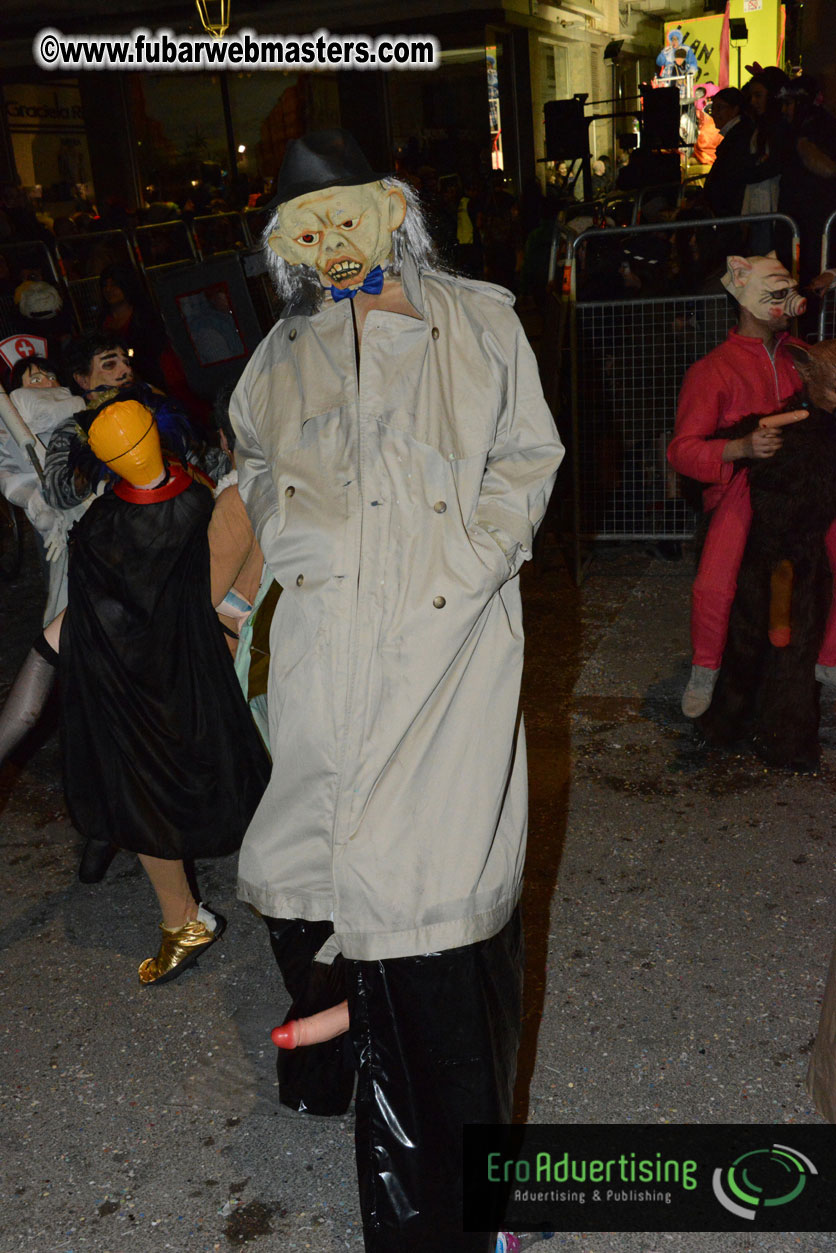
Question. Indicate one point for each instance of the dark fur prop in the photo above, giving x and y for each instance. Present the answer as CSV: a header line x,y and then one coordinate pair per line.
x,y
767,695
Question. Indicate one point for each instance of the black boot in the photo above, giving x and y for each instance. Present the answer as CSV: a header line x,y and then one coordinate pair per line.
x,y
95,859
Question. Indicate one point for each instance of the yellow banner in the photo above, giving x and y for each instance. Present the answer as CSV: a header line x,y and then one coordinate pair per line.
x,y
704,34
764,26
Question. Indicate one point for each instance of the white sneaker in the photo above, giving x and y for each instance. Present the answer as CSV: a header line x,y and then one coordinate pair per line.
x,y
697,696
826,674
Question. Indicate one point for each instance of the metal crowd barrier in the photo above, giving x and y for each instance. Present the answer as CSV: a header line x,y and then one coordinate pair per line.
x,y
218,233
161,244
827,316
75,263
268,304
627,208
255,220
621,364
82,259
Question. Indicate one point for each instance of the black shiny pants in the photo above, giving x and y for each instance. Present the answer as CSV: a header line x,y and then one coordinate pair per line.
x,y
318,1079
435,1043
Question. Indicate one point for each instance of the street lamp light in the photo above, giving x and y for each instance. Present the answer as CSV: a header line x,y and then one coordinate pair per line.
x,y
738,36
214,16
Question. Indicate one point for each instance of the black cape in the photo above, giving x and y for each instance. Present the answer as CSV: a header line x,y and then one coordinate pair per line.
x,y
161,755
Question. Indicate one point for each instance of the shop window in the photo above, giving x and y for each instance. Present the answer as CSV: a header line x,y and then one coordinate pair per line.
x,y
182,142
268,111
555,73
180,133
46,123
440,119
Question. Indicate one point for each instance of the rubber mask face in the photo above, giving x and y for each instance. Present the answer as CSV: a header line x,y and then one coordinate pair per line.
x,y
765,288
343,232
125,437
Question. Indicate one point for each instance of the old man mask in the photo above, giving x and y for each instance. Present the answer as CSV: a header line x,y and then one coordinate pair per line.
x,y
335,214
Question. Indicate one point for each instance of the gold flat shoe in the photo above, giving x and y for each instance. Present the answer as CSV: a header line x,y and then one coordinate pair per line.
x,y
179,950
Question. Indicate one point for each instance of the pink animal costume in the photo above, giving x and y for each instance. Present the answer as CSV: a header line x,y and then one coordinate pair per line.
x,y
737,378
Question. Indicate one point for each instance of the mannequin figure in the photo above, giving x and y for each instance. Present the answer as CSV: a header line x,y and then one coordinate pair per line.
x,y
161,757
395,456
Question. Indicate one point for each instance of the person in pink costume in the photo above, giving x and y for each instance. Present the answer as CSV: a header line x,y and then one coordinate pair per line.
x,y
751,372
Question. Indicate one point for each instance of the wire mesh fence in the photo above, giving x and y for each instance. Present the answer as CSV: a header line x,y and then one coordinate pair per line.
x,y
219,233
827,322
827,317
164,243
83,259
623,345
631,357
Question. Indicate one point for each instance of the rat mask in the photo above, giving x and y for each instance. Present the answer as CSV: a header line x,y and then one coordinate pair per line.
x,y
763,287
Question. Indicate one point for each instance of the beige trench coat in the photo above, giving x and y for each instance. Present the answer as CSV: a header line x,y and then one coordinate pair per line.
x,y
395,506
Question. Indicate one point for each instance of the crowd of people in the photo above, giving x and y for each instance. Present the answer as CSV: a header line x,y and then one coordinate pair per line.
x,y
767,148
778,155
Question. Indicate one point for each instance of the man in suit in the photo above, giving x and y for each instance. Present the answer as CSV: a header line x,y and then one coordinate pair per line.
x,y
726,182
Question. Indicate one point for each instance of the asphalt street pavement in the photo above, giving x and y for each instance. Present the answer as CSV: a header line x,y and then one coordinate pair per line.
x,y
678,907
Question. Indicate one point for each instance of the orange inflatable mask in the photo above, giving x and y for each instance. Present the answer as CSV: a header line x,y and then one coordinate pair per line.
x,y
124,436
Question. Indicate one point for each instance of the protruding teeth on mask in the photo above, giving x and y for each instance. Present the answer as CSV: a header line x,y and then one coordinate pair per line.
x,y
346,269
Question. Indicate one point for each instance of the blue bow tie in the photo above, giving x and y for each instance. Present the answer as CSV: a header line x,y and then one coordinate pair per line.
x,y
372,283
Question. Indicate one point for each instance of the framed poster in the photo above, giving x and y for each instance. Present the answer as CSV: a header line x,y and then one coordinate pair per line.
x,y
211,323
210,319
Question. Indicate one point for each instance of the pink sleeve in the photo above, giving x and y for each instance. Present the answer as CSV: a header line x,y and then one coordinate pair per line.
x,y
702,404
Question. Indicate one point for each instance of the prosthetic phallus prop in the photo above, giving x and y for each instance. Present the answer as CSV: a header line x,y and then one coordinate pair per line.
x,y
314,1030
781,580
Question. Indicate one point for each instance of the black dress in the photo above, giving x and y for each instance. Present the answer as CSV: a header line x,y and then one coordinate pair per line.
x,y
160,752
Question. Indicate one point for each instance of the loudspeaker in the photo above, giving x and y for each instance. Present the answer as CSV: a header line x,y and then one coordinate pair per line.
x,y
738,30
567,131
660,115
612,52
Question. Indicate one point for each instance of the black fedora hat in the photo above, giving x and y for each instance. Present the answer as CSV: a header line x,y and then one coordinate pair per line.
x,y
322,159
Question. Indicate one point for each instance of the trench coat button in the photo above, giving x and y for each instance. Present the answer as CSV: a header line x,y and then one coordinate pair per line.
x,y
300,579
292,334
435,332
439,602
440,506
289,490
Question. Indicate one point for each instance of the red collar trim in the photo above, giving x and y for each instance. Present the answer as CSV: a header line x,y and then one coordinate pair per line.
x,y
176,483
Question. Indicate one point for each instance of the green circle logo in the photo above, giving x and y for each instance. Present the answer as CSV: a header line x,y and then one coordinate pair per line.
x,y
761,1179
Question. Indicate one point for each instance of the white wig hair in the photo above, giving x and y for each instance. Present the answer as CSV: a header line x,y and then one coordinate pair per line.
x,y
299,285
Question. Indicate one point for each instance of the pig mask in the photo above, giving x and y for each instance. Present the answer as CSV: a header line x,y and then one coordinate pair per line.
x,y
763,287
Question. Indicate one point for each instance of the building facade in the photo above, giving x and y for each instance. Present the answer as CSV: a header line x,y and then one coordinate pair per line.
x,y
148,137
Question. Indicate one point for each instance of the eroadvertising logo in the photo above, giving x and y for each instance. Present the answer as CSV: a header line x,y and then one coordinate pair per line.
x,y
649,1178
768,1177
